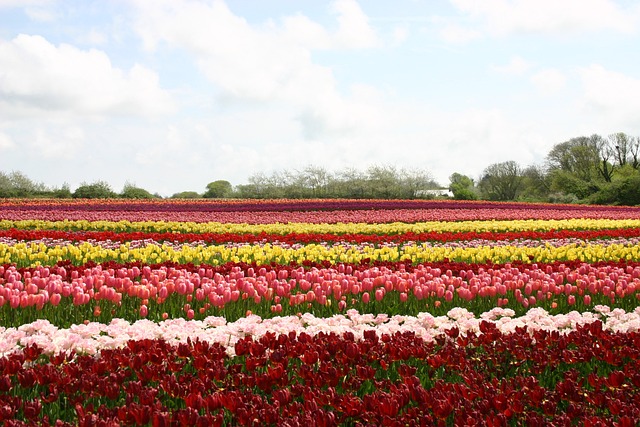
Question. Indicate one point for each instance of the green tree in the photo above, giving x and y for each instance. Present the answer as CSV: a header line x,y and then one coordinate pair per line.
x,y
501,181
348,183
382,182
575,167
535,184
6,186
462,187
218,190
23,186
578,156
316,179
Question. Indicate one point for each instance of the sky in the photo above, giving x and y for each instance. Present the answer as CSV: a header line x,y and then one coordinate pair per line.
x,y
169,95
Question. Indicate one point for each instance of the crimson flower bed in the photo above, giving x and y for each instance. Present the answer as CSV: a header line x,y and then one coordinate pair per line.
x,y
586,377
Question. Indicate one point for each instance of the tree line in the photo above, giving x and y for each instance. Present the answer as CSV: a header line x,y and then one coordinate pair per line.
x,y
593,169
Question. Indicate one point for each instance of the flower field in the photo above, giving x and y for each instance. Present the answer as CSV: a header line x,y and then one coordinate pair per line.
x,y
341,312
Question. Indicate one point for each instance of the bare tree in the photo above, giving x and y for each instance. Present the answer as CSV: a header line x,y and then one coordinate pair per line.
x,y
605,165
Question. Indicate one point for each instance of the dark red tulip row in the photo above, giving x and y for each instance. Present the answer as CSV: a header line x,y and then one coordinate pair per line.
x,y
293,238
586,377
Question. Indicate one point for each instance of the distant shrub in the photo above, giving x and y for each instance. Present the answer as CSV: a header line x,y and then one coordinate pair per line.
x,y
96,190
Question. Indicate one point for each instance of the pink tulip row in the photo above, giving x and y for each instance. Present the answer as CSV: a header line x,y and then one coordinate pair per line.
x,y
528,284
344,216
93,337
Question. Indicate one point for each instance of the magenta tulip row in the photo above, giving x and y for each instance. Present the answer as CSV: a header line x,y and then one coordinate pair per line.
x,y
291,205
344,216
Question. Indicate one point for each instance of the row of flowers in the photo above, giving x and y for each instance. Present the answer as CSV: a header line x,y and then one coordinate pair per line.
x,y
61,237
366,228
70,294
257,205
329,379
31,254
95,337
178,244
320,217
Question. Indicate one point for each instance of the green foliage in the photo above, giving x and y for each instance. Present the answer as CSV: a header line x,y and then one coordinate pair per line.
x,y
501,181
562,198
17,184
187,195
462,187
578,156
218,190
377,182
130,191
95,190
6,187
623,191
565,182
61,193
535,184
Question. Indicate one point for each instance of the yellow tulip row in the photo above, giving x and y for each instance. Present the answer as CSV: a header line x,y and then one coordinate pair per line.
x,y
339,228
32,254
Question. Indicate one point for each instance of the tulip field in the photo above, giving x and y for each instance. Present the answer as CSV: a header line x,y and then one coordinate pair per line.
x,y
318,313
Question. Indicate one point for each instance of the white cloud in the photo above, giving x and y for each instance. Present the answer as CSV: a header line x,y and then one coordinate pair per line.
x,y
516,66
23,3
41,14
58,142
93,38
300,30
263,64
400,34
501,17
549,81
38,77
457,34
171,145
354,30
613,97
5,141
36,10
